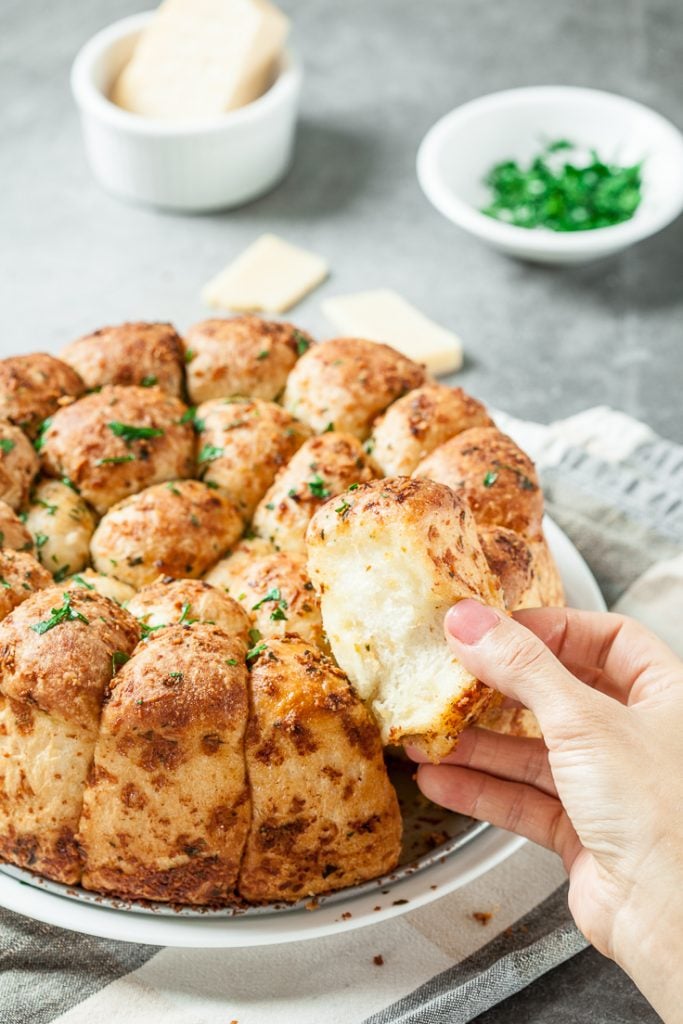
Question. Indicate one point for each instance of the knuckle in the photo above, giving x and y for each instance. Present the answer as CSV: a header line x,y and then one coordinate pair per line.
x,y
522,655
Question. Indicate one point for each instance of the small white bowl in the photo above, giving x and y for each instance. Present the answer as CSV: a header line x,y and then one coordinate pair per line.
x,y
460,149
194,166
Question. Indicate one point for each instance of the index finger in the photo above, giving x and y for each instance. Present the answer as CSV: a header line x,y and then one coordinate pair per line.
x,y
634,661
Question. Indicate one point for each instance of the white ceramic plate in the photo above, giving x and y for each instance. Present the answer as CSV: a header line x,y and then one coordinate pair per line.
x,y
472,853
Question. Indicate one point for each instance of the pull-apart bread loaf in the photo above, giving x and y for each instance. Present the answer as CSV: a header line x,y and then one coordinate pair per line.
x,y
58,651
324,812
166,808
388,559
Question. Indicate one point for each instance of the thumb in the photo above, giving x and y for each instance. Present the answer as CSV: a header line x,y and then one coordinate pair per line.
x,y
508,657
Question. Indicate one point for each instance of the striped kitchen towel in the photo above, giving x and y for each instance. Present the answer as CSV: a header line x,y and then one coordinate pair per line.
x,y
617,490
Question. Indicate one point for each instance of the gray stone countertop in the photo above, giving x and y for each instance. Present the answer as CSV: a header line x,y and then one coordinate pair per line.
x,y
540,343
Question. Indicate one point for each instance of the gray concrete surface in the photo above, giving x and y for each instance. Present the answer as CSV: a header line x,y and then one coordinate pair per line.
x,y
541,343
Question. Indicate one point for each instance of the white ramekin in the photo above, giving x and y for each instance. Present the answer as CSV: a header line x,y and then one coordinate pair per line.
x,y
461,148
194,166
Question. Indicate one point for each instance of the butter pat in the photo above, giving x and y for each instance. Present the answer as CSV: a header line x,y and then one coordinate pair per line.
x,y
200,58
270,276
383,315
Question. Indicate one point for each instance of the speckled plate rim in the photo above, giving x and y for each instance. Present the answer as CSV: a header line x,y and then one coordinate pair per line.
x,y
450,867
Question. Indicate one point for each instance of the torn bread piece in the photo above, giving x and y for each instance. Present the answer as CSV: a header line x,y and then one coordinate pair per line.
x,y
383,315
388,559
271,275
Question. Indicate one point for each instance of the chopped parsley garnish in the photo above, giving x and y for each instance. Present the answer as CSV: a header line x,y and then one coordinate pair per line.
x,y
118,658
354,487
83,583
4,583
254,652
7,444
131,433
190,416
173,489
254,636
148,382
263,354
212,484
270,506
185,615
69,483
230,661
318,487
50,509
41,538
146,631
369,446
115,460
329,429
302,343
189,355
209,453
563,193
274,595
490,478
62,573
175,675
522,479
42,430
343,508
65,613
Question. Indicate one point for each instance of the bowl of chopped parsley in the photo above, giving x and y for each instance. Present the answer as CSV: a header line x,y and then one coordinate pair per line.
x,y
554,174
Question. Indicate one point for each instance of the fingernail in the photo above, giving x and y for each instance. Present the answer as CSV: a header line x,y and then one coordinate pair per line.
x,y
468,621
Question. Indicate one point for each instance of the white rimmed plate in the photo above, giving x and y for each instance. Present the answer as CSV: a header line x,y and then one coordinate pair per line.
x,y
472,850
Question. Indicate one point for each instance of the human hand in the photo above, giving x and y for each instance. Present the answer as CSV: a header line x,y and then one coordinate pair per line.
x,y
603,789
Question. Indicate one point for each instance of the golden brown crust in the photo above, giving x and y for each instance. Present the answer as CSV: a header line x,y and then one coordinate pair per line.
x,y
20,577
278,595
511,722
62,525
418,423
13,533
18,465
65,669
347,382
168,602
496,477
167,808
178,529
144,354
548,579
510,559
324,466
94,442
324,812
243,355
243,443
34,387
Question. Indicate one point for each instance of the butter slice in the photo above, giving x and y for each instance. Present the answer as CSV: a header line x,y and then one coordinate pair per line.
x,y
383,315
270,276
199,58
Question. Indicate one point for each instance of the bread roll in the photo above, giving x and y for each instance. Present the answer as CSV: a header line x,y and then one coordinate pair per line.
x,y
21,575
18,465
114,443
143,354
166,809
178,529
169,602
276,592
62,525
324,814
345,383
323,466
497,479
418,423
548,579
13,533
243,355
107,586
243,442
238,558
34,387
388,560
57,654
